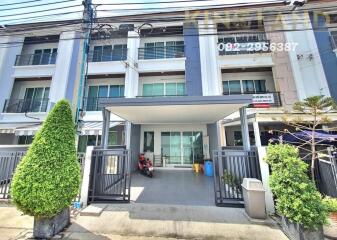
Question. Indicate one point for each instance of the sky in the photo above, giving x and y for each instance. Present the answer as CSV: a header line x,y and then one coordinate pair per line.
x,y
38,10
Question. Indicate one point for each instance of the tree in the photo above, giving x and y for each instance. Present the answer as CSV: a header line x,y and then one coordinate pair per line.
x,y
48,177
296,196
315,110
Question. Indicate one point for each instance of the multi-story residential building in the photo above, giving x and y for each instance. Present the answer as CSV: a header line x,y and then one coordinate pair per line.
x,y
172,89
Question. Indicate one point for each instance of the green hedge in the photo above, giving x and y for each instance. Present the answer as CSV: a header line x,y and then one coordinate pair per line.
x,y
296,195
48,177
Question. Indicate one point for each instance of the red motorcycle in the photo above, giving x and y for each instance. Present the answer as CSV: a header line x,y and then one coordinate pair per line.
x,y
145,166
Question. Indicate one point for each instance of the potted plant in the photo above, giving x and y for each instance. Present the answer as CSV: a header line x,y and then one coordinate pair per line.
x,y
48,177
331,204
297,199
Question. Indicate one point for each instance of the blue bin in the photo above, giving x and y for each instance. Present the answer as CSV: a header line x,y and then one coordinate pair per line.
x,y
208,168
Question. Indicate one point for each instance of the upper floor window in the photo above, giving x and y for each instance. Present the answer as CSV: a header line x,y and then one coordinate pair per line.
x,y
160,50
36,99
163,89
109,53
44,56
102,91
244,86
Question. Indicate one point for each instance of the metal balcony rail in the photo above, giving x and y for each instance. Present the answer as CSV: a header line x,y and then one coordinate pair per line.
x,y
26,105
333,40
271,98
35,59
236,44
161,52
108,56
93,104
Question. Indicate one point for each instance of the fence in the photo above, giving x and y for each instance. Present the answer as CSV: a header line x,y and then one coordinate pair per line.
x,y
110,176
8,164
230,167
326,175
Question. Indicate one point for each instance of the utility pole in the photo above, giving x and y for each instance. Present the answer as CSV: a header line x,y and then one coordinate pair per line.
x,y
88,16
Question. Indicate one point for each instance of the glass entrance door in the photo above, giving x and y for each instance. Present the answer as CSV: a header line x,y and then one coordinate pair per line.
x,y
181,148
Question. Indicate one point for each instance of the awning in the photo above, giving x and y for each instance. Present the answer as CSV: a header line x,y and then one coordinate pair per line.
x,y
27,130
95,128
19,128
176,110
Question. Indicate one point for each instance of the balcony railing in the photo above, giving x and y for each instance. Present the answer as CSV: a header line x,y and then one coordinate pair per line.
x,y
161,52
236,44
35,59
272,99
108,56
333,40
93,104
26,105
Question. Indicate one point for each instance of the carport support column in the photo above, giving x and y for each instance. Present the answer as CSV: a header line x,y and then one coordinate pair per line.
x,y
257,133
105,129
127,134
244,129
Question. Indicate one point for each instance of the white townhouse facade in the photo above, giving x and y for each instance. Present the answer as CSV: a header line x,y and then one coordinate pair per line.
x,y
171,89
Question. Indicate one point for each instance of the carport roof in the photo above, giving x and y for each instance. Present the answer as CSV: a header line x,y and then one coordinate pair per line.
x,y
175,110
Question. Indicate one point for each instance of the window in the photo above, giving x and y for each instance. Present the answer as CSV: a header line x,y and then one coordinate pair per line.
x,y
244,86
163,89
112,141
238,138
36,99
174,49
154,50
148,141
108,53
44,56
158,50
248,86
102,91
25,140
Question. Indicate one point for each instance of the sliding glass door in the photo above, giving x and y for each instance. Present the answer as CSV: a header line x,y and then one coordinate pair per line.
x,y
182,148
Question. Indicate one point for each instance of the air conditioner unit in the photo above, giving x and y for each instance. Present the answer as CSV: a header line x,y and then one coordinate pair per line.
x,y
126,27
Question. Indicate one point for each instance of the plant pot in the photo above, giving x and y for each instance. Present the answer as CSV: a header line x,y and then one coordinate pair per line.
x,y
333,217
49,227
295,231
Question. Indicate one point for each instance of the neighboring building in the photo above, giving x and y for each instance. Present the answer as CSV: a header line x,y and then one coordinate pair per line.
x,y
172,90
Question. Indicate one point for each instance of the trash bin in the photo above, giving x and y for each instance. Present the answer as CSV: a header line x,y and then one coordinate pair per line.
x,y
254,198
208,168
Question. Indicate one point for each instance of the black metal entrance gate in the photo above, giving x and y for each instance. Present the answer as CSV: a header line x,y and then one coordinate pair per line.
x,y
110,177
230,167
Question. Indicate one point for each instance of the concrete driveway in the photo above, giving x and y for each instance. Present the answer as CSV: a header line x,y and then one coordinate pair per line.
x,y
175,187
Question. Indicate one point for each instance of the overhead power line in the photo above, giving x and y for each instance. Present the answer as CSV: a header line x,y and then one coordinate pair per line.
x,y
38,5
39,11
10,4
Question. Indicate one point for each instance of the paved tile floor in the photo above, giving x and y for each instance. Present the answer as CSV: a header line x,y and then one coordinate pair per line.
x,y
176,187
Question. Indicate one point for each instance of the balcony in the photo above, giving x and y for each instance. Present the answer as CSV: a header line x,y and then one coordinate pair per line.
x,y
36,59
93,104
236,44
161,52
263,99
26,105
108,56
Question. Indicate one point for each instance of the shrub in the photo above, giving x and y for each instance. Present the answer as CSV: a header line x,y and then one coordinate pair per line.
x,y
330,203
296,196
48,176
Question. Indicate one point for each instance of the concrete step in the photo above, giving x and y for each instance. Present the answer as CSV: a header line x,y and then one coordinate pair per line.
x,y
93,210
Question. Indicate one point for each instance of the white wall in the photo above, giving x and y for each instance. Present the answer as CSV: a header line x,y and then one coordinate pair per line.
x,y
30,48
7,61
308,73
159,39
268,76
159,79
106,81
157,129
102,42
19,88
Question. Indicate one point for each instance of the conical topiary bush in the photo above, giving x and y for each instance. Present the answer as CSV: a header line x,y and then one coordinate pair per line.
x,y
48,177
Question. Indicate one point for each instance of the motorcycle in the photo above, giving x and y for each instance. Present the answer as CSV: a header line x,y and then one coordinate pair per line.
x,y
145,166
